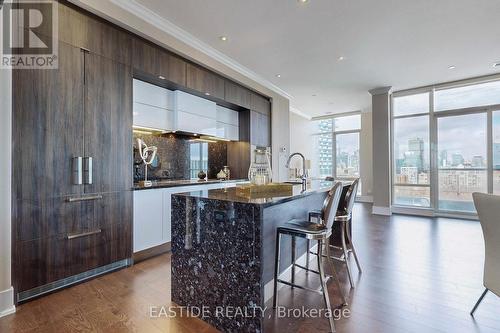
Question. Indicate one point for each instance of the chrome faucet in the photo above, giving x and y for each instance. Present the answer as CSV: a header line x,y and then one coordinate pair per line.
x,y
304,172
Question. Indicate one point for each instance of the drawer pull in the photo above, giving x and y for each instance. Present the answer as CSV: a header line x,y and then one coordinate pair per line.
x,y
94,197
83,234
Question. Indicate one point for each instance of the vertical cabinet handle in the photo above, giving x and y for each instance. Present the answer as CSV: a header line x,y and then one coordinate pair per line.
x,y
77,171
87,170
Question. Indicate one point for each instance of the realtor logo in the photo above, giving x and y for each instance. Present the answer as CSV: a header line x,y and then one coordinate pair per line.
x,y
29,34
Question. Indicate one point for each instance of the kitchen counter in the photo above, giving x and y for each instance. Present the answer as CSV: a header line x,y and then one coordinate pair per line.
x,y
231,195
223,251
187,182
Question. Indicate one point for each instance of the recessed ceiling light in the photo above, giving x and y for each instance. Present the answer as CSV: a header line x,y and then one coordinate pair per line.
x,y
161,77
303,1
341,58
207,94
496,64
223,38
278,75
452,67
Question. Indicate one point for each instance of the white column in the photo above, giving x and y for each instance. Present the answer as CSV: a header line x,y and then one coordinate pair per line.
x,y
381,122
6,291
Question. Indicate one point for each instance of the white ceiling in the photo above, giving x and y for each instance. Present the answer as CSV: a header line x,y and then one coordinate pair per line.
x,y
399,43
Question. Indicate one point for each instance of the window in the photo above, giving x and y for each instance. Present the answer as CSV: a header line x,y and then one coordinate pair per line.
x,y
411,161
411,104
468,96
466,146
461,163
336,144
198,158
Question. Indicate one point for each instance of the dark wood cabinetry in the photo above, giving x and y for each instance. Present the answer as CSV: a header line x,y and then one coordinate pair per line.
x,y
94,34
83,108
151,59
260,104
200,79
108,123
236,94
260,129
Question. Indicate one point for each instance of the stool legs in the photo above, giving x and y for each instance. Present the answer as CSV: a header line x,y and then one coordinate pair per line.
x,y
293,260
324,286
344,249
308,245
348,235
335,276
276,269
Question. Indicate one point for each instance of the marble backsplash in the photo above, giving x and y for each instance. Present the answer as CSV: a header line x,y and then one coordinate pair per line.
x,y
173,160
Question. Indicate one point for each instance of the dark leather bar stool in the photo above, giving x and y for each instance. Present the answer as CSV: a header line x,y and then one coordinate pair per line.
x,y
343,221
319,232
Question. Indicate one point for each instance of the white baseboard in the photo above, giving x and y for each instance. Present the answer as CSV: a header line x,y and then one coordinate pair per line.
x,y
364,198
286,275
7,302
379,210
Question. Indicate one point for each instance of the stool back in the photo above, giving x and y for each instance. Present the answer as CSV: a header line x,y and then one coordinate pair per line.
x,y
350,197
488,210
330,210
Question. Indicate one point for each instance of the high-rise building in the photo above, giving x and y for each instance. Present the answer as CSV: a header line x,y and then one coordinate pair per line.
x,y
414,157
478,162
457,159
443,158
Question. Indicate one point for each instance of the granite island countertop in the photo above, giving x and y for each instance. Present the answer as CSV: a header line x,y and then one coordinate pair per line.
x,y
231,195
185,182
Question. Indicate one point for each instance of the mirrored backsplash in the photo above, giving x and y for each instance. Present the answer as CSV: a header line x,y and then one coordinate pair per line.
x,y
179,157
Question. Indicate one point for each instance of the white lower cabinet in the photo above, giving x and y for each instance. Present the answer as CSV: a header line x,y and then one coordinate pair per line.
x,y
153,213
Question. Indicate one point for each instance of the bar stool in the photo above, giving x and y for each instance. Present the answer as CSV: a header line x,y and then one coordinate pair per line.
x,y
320,232
343,219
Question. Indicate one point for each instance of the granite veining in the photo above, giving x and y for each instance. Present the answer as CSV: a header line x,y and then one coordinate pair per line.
x,y
216,261
223,251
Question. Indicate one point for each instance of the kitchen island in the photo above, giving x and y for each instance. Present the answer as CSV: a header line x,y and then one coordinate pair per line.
x,y
223,251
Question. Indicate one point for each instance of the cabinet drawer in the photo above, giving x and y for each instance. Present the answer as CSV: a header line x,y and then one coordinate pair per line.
x,y
41,261
56,216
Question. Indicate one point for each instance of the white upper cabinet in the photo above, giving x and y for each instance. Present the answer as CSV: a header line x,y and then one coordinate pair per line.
x,y
147,93
163,109
185,102
195,114
227,123
153,106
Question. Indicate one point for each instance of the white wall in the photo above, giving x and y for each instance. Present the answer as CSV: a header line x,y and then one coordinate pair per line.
x,y
6,292
301,140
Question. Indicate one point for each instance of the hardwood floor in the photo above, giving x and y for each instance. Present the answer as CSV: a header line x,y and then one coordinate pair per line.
x,y
419,275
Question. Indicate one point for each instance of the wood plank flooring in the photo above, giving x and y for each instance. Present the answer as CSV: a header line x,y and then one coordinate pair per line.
x,y
419,275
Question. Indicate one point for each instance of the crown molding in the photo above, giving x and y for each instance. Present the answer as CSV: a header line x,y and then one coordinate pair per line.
x,y
380,91
299,113
168,27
